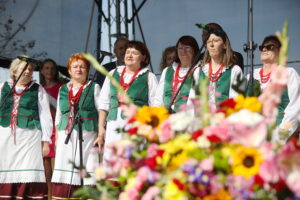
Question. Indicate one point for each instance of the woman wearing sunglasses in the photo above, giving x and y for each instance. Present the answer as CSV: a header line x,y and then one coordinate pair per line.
x,y
289,108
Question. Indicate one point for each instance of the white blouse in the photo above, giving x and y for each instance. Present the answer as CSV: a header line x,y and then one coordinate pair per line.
x,y
292,110
236,71
105,92
159,96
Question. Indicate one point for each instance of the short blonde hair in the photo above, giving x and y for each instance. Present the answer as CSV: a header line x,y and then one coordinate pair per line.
x,y
15,65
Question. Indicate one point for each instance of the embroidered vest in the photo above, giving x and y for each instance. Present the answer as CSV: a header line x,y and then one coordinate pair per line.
x,y
28,110
223,84
137,91
184,93
88,113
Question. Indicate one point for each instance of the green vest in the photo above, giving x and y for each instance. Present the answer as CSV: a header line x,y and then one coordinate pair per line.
x,y
88,113
183,95
285,100
137,91
223,84
28,110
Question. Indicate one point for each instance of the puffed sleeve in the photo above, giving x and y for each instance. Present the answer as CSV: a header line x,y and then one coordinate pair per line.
x,y
1,86
58,113
152,86
293,108
45,115
158,99
97,91
104,100
236,71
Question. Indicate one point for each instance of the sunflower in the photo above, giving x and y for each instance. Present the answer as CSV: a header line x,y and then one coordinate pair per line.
x,y
152,116
246,161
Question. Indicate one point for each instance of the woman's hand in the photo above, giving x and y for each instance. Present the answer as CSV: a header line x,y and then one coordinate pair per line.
x,y
45,148
100,139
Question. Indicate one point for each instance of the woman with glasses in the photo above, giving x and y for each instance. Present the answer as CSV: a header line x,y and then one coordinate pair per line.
x,y
66,177
289,108
218,66
173,76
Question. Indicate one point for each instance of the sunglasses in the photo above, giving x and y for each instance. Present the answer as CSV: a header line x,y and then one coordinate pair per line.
x,y
269,47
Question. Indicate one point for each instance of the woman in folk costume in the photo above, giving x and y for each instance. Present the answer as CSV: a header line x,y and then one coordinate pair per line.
x,y
288,109
140,85
172,76
66,178
49,79
25,127
218,66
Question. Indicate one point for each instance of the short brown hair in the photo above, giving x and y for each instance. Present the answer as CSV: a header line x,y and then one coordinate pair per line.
x,y
142,48
190,41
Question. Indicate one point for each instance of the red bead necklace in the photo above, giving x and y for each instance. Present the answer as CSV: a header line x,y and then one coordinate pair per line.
x,y
264,78
177,79
213,77
124,85
74,99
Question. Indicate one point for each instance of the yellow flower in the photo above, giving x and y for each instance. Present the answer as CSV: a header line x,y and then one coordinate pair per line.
x,y
250,103
173,191
246,161
152,116
177,151
221,195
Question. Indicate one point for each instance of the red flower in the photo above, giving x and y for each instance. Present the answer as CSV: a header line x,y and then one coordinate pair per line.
x,y
197,134
228,103
279,186
214,138
160,152
258,180
132,131
178,183
151,162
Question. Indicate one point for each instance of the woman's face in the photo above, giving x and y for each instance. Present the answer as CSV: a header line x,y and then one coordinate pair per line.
x,y
185,54
215,46
49,71
27,75
78,70
269,52
133,57
170,58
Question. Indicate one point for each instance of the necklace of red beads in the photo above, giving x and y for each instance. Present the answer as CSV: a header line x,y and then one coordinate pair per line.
x,y
213,77
124,85
264,78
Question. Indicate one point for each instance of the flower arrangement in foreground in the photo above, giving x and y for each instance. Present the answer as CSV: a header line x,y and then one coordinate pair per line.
x,y
216,154
166,156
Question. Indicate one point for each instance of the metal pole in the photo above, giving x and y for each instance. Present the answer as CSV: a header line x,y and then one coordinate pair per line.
x,y
126,18
118,19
